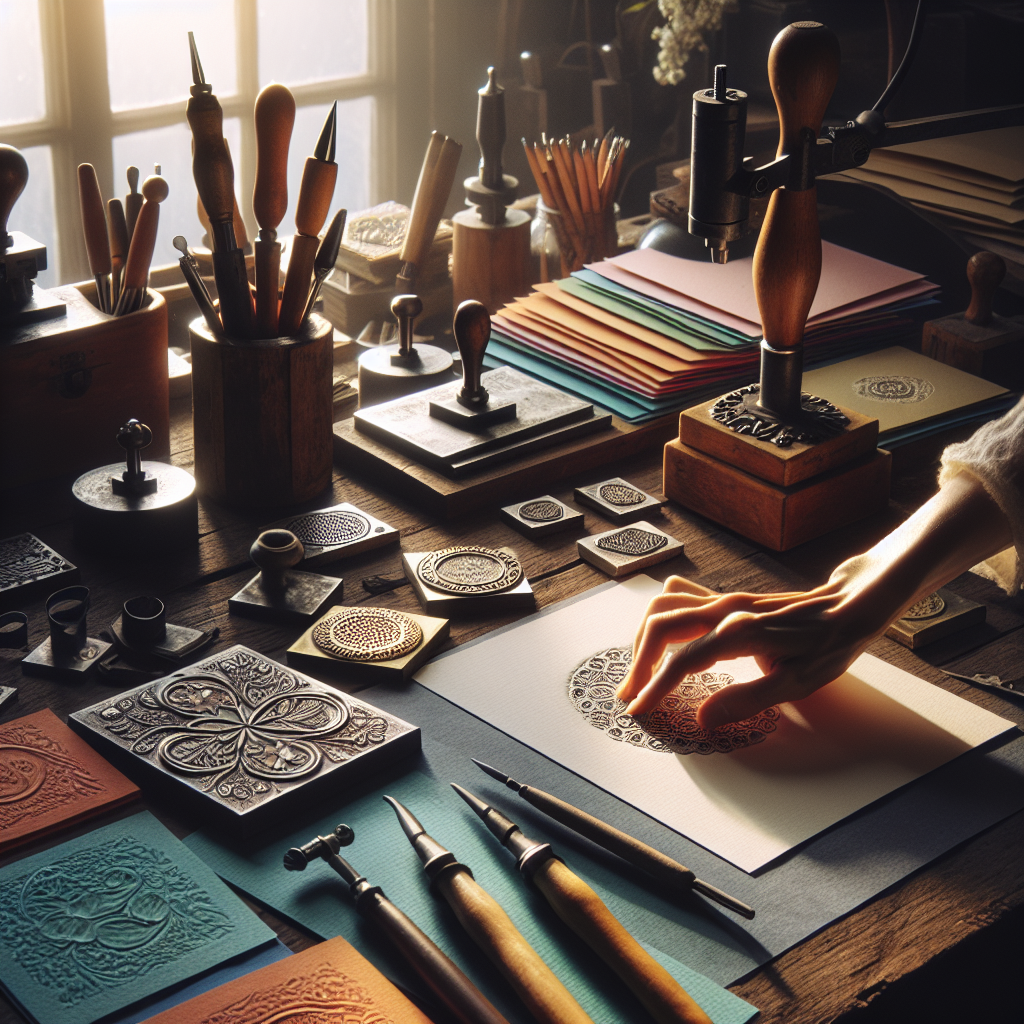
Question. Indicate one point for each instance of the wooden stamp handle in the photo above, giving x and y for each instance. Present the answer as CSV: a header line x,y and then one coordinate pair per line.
x,y
13,179
274,116
315,195
985,271
94,221
803,67
490,927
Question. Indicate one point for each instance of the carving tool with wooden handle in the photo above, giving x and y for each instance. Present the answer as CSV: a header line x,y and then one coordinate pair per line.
x,y
215,180
491,929
453,989
94,225
437,175
315,193
326,257
587,915
140,253
274,116
133,201
666,870
117,229
241,236
196,285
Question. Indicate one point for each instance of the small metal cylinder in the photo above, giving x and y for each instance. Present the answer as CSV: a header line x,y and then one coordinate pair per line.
x,y
66,611
144,621
781,376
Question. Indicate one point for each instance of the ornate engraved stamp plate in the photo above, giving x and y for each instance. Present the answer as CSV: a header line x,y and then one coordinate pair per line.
x,y
672,726
927,608
28,567
542,511
541,516
367,634
243,731
628,548
618,500
937,616
468,570
340,531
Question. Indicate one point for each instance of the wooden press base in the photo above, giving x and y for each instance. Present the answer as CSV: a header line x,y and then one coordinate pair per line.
x,y
515,480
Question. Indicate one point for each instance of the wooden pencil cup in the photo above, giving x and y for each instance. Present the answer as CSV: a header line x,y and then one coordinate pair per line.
x,y
262,414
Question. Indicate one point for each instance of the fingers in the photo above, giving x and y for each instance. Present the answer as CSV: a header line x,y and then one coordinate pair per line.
x,y
738,701
681,585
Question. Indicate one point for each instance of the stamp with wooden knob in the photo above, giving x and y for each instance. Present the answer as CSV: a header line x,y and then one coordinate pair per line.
x,y
138,506
279,592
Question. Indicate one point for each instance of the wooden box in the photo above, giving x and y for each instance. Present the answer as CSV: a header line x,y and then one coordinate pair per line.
x,y
67,385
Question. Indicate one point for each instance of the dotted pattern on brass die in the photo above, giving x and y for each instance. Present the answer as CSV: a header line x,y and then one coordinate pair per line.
x,y
620,495
367,634
632,541
470,569
328,529
541,511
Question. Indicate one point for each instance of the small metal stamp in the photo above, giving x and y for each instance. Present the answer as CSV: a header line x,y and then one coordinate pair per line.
x,y
68,651
936,616
540,516
142,629
927,608
367,634
628,549
340,531
298,857
13,630
469,570
618,500
28,567
8,694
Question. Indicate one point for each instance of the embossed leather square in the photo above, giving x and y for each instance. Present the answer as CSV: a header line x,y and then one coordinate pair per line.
x,y
50,779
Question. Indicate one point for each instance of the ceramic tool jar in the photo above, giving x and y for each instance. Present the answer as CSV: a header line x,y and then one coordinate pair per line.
x,y
262,413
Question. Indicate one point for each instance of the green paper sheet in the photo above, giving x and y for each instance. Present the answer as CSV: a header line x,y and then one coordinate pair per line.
x,y
317,899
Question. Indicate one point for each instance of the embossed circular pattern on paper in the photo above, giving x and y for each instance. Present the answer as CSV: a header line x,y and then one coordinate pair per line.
x,y
621,495
632,541
469,569
672,726
894,388
927,608
368,634
328,529
541,511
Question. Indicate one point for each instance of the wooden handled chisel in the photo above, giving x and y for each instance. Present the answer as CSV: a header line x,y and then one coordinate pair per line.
x,y
140,252
133,201
117,228
94,226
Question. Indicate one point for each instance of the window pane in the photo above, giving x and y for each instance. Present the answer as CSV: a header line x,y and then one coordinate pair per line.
x,y
23,95
147,49
170,147
33,212
352,191
311,40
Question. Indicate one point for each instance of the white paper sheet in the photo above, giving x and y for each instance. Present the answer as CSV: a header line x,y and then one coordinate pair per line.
x,y
857,739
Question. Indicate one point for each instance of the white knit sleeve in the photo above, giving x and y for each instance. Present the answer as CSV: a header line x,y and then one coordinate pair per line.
x,y
994,455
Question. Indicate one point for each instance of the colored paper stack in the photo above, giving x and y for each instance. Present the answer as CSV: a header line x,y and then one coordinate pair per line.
x,y
645,334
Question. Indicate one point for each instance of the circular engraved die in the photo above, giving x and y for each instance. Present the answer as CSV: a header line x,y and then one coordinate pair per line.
x,y
328,529
894,388
672,726
541,511
927,608
621,495
633,542
469,569
368,634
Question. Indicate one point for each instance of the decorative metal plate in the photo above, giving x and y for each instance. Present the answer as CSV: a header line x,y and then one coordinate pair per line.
x,y
242,729
470,569
621,495
672,726
632,541
927,608
367,634
541,511
894,388
739,411
328,529
25,559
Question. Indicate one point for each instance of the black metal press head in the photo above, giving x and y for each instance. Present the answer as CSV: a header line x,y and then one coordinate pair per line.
x,y
322,847
133,437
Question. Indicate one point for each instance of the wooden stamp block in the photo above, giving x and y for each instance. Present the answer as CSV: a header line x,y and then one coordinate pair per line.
x,y
436,602
618,500
627,549
994,351
937,616
778,517
540,516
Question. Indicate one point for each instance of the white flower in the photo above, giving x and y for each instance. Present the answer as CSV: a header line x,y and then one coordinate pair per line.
x,y
686,22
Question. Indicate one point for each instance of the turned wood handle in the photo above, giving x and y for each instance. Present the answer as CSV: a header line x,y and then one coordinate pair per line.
x,y
472,330
94,221
491,929
268,285
315,195
440,164
13,179
296,283
211,163
586,914
803,67
118,230
985,271
274,116
140,254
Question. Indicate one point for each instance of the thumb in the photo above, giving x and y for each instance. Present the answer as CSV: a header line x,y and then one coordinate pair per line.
x,y
737,701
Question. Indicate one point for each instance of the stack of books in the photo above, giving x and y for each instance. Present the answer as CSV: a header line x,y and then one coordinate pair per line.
x,y
646,334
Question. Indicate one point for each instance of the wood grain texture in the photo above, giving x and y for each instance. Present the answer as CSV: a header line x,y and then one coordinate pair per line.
x,y
490,263
274,117
296,283
315,194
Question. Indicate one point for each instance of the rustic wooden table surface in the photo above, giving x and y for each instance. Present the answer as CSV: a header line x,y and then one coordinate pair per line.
x,y
939,941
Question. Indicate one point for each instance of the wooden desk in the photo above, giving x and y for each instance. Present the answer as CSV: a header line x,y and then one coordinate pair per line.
x,y
949,926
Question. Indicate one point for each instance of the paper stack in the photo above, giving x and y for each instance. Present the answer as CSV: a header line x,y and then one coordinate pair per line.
x,y
973,184
645,334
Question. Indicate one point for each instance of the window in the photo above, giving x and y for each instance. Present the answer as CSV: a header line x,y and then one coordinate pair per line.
x,y
106,81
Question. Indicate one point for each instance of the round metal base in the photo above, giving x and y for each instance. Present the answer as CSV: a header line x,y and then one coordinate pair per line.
x,y
817,421
380,379
167,517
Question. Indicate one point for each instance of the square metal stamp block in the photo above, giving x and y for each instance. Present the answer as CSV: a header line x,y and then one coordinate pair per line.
x,y
540,516
337,532
29,569
934,617
8,695
368,644
618,500
48,664
468,580
244,735
628,548
305,596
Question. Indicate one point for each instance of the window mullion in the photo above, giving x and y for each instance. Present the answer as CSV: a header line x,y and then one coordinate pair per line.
x,y
247,57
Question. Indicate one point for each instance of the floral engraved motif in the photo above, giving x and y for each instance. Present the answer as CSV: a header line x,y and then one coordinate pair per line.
x,y
325,995
672,726
104,916
240,726
37,775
